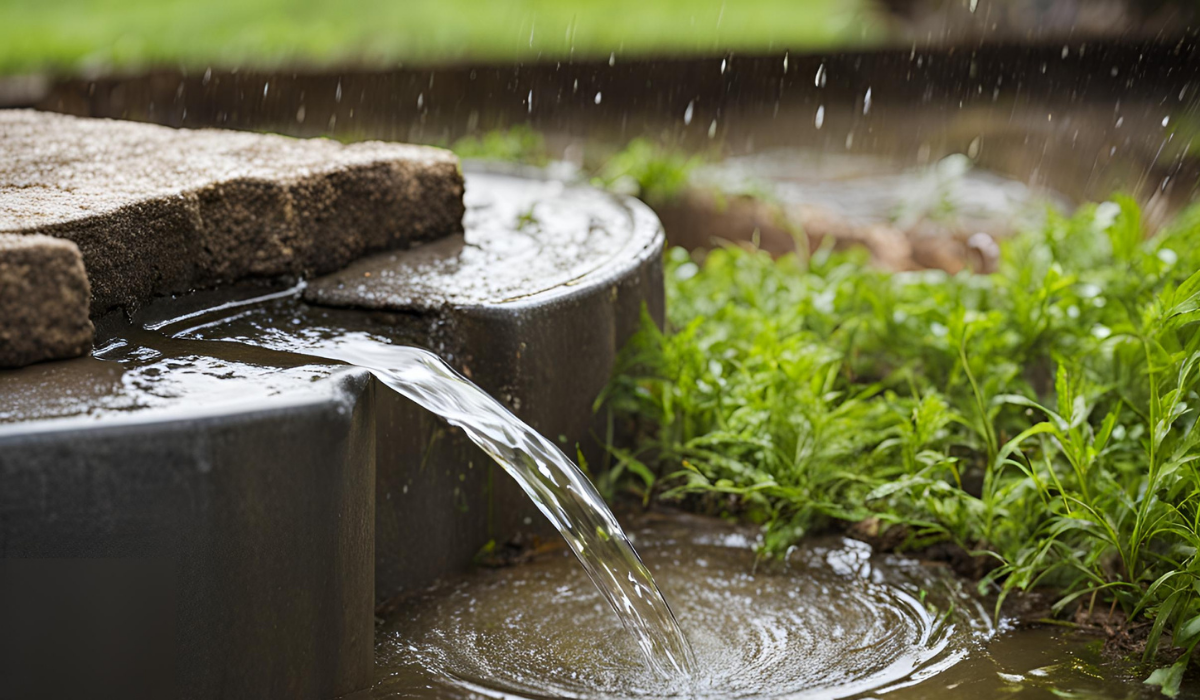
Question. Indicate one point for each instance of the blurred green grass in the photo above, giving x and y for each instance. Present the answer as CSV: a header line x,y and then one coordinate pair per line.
x,y
73,35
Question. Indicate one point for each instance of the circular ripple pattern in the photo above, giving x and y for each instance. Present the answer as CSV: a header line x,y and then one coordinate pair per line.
x,y
835,623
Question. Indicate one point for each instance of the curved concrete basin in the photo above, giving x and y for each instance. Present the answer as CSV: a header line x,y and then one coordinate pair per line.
x,y
289,497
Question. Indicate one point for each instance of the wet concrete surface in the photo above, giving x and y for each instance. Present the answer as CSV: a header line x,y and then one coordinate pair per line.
x,y
524,237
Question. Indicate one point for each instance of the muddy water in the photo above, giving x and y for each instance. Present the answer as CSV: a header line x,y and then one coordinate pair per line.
x,y
836,622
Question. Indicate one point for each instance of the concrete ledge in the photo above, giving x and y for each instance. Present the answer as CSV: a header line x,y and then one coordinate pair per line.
x,y
159,211
257,522
43,301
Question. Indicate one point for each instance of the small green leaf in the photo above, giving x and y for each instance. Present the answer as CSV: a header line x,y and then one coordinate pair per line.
x,y
1168,678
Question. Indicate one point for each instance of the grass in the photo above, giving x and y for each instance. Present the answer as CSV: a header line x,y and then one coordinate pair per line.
x,y
68,35
1042,418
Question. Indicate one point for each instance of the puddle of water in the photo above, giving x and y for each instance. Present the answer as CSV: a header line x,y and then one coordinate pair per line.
x,y
837,622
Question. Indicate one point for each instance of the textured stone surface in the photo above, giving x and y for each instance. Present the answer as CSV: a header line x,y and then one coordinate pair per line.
x,y
157,210
43,301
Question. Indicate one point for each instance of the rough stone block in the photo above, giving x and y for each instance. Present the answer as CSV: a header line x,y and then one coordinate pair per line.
x,y
159,211
43,300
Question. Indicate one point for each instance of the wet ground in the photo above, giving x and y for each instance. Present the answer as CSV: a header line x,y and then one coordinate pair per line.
x,y
836,622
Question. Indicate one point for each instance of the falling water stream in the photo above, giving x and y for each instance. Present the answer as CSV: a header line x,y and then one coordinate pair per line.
x,y
560,491
554,483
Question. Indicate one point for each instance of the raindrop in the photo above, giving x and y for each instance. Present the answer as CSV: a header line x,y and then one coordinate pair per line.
x,y
785,62
337,94
598,98
687,113
819,79
722,66
300,114
867,102
266,87
819,120
849,140
712,129
208,77
1166,120
974,5
1066,51
420,100
1120,121
1114,71
529,100
973,148
1182,91
612,59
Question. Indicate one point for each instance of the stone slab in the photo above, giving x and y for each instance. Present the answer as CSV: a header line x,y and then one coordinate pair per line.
x,y
43,300
159,211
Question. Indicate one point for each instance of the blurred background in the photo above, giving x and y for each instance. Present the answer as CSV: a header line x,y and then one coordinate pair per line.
x,y
100,36
905,126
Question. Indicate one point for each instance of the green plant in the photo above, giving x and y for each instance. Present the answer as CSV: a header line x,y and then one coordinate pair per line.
x,y
517,144
652,172
1042,418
